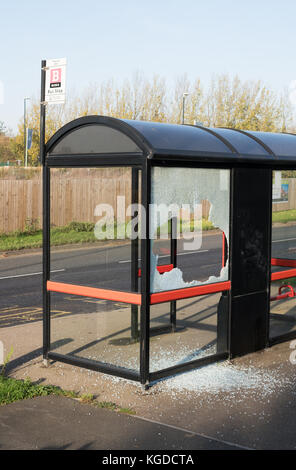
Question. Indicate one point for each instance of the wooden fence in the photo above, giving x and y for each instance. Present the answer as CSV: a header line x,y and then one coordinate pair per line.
x,y
74,195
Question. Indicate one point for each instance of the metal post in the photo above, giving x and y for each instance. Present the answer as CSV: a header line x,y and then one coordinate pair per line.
x,y
46,219
26,155
173,250
134,259
25,133
183,106
25,126
145,275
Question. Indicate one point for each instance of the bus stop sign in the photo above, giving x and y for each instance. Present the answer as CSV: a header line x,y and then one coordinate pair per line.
x,y
55,81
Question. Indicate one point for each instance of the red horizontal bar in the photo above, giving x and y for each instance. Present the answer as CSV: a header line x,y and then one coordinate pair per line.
x,y
280,297
168,296
283,274
105,294
283,262
161,269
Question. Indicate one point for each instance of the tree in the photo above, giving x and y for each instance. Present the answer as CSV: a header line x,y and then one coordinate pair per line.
x,y
231,103
3,128
5,151
225,102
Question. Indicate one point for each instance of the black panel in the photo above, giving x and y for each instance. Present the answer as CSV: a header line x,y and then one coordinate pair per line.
x,y
248,323
223,323
176,137
282,145
250,230
250,259
243,143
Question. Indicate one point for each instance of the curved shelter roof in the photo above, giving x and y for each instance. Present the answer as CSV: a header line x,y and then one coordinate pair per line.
x,y
91,136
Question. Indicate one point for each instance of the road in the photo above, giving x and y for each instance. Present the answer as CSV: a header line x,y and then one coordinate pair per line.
x,y
109,267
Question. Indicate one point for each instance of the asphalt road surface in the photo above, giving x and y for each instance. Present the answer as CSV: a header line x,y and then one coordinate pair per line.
x,y
107,267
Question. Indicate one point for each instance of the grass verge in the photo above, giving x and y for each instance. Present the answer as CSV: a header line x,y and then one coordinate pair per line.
x,y
83,232
284,216
31,237
75,232
12,390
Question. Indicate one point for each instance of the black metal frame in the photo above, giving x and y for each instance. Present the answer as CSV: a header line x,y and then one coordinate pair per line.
x,y
271,341
144,376
254,295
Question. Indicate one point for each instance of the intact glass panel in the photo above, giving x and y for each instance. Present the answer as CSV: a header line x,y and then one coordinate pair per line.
x,y
282,299
94,329
90,236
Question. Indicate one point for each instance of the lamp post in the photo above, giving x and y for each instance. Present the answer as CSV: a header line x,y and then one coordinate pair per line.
x,y
183,105
25,132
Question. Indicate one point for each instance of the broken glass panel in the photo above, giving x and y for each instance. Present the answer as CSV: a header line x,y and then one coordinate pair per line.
x,y
198,201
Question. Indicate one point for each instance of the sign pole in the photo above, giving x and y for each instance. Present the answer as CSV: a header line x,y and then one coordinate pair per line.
x,y
25,127
45,224
26,153
42,113
53,79
25,131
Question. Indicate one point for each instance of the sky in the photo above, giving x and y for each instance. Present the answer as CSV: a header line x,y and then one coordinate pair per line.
x,y
101,39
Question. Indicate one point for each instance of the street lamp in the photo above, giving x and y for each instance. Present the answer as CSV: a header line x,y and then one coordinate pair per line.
x,y
25,132
183,105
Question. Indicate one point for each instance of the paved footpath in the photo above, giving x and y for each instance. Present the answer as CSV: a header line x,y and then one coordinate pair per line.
x,y
248,403
62,423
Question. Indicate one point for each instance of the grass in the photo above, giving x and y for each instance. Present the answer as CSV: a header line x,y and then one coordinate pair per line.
x,y
12,390
83,232
74,232
113,407
31,237
284,216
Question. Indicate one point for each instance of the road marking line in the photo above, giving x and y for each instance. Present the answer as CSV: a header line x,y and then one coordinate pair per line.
x,y
30,274
188,431
189,253
10,310
167,256
284,240
37,311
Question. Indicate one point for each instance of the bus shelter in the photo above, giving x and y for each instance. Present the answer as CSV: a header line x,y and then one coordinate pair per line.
x,y
187,261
